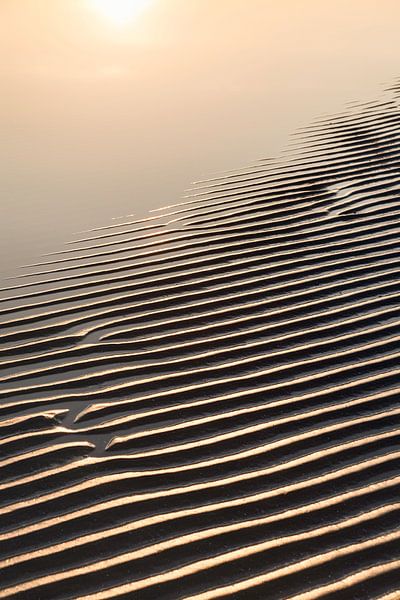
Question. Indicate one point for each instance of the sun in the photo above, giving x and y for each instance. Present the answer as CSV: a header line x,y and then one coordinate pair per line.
x,y
120,12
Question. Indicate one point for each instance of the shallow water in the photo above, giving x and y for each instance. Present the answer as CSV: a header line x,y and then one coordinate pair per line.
x,y
100,120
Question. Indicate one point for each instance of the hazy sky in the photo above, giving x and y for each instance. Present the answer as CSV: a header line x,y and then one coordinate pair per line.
x,y
101,118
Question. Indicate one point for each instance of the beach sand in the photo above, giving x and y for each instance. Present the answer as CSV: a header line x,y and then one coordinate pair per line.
x,y
205,403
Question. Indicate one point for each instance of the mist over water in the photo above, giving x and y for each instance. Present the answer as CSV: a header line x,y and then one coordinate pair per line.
x,y
101,120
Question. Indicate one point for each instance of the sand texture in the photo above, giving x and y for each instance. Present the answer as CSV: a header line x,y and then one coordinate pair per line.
x,y
205,403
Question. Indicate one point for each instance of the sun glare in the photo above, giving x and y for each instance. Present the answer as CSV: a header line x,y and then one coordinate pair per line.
x,y
120,12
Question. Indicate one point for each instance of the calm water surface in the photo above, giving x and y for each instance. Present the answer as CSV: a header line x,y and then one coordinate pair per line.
x,y
105,114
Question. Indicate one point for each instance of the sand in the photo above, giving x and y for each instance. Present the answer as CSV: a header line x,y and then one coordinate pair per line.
x,y
204,403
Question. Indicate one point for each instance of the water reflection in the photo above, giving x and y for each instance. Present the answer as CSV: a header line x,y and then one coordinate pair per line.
x,y
99,121
120,12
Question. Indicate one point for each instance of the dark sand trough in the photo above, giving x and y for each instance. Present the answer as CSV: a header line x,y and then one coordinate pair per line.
x,y
205,403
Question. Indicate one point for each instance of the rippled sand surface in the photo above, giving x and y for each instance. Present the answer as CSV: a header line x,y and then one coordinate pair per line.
x,y
205,403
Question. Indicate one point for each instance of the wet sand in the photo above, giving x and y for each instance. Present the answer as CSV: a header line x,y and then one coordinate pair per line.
x,y
204,403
